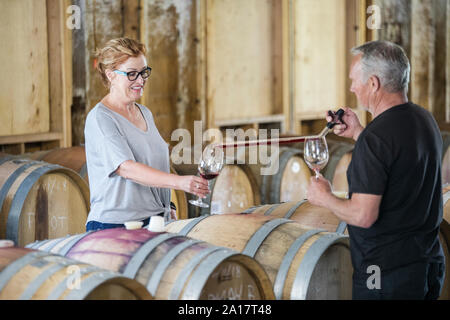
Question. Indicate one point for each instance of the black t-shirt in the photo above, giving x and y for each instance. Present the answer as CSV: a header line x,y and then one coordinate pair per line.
x,y
398,156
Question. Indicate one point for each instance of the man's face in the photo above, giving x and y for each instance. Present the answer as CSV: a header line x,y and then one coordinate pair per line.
x,y
358,87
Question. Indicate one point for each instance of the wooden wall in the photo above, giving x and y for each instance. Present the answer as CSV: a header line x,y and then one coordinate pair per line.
x,y
228,63
422,28
35,87
168,29
24,100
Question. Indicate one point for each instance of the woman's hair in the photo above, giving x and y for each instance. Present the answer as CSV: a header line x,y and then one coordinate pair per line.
x,y
114,53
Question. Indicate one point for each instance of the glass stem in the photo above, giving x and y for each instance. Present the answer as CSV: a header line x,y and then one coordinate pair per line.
x,y
316,171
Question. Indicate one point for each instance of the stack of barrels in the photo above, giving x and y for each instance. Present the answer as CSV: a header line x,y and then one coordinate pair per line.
x,y
260,238
170,266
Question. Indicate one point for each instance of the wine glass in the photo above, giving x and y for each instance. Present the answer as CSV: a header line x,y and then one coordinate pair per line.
x,y
315,153
209,167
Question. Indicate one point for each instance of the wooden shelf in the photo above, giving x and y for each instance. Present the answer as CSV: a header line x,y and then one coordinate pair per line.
x,y
34,137
254,121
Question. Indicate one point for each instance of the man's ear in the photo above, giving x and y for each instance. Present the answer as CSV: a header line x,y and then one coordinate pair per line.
x,y
375,83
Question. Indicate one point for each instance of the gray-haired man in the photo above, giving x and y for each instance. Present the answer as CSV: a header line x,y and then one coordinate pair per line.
x,y
395,205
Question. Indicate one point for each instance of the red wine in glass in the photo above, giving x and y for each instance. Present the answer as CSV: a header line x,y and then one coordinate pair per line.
x,y
209,168
209,176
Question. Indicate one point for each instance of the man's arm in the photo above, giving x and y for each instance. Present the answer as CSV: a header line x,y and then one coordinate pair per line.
x,y
361,210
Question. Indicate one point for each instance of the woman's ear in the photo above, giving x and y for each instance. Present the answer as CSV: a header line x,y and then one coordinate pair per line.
x,y
110,74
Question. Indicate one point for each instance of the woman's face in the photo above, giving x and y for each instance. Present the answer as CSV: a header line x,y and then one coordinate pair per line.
x,y
128,90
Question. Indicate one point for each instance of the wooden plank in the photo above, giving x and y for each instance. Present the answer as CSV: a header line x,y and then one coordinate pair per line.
x,y
131,18
35,137
287,21
320,57
168,29
447,86
422,53
103,22
239,58
60,70
276,17
206,114
440,59
351,40
24,98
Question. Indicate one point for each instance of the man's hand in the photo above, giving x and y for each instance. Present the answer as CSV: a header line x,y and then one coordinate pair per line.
x,y
318,191
351,128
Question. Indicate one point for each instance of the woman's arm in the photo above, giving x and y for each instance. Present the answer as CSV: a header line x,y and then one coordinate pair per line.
x,y
148,176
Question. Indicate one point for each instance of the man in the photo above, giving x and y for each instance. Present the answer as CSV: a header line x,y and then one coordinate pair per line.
x,y
395,200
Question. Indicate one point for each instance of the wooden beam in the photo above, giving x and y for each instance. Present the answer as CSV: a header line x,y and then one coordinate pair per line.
x,y
131,18
60,70
35,137
287,65
206,114
438,82
447,85
422,53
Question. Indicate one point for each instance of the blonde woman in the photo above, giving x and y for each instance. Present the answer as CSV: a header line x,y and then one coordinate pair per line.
x,y
127,159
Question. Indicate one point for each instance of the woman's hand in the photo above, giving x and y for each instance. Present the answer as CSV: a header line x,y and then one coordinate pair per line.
x,y
350,128
193,184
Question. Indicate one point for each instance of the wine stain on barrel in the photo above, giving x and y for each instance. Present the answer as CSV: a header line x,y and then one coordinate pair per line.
x,y
41,222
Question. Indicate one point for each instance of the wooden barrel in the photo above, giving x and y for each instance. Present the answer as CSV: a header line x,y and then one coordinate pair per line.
x,y
35,275
72,157
289,183
301,262
340,156
304,213
234,190
339,160
40,201
171,266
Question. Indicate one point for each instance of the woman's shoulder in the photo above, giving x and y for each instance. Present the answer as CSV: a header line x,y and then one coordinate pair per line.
x,y
100,117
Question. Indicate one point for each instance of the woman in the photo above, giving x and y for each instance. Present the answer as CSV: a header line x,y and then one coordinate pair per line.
x,y
127,159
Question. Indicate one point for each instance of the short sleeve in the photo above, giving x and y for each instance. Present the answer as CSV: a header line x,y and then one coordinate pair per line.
x,y
369,169
113,145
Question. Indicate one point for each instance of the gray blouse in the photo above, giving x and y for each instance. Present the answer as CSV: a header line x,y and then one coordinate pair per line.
x,y
112,139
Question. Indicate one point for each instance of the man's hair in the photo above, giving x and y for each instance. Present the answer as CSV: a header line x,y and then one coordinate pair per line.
x,y
387,61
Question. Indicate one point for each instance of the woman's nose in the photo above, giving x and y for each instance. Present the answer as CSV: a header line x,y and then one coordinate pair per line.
x,y
140,80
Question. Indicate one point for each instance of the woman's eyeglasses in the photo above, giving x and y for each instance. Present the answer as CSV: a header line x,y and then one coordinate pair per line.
x,y
133,75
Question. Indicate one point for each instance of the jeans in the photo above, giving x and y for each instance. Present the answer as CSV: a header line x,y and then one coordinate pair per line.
x,y
95,225
416,281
